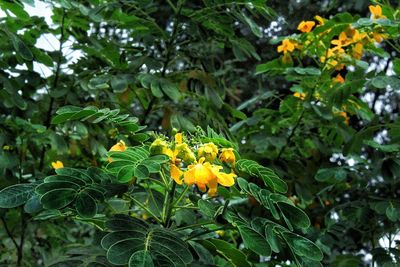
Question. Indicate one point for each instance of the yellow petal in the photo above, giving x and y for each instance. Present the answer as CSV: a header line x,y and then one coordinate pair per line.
x,y
178,138
176,173
57,165
226,179
120,146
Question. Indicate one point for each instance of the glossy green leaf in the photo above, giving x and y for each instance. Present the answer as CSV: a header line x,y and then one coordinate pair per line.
x,y
16,195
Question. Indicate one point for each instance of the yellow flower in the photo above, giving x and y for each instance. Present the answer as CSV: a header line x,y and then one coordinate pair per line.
x,y
287,45
209,151
320,20
184,152
376,12
178,138
302,96
344,115
338,79
120,146
357,51
201,175
227,155
180,151
379,37
341,41
57,165
176,173
306,26
160,146
220,232
204,175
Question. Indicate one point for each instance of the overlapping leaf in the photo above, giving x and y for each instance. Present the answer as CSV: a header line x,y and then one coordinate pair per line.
x,y
134,162
269,177
81,189
134,242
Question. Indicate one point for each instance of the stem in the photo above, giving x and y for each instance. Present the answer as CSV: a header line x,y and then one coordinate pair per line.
x,y
181,196
169,206
291,134
54,86
168,48
193,225
9,234
145,208
208,231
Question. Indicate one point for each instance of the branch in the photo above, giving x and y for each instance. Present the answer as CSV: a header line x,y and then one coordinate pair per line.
x,y
54,86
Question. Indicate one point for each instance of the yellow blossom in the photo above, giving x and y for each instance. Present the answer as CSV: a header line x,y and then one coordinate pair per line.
x,y
341,41
204,175
339,79
379,37
357,51
209,151
120,146
220,232
302,96
227,155
320,20
160,146
57,165
344,115
184,152
287,45
376,12
305,26
179,138
176,173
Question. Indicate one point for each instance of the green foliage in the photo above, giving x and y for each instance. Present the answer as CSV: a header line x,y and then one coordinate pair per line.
x,y
314,131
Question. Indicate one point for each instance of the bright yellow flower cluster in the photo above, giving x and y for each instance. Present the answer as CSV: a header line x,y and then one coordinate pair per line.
x,y
202,170
349,43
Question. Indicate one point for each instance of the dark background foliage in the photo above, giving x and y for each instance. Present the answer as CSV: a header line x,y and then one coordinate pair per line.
x,y
186,64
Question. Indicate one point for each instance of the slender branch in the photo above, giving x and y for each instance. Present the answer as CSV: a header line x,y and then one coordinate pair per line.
x,y
168,48
169,206
145,208
54,86
181,196
9,234
291,134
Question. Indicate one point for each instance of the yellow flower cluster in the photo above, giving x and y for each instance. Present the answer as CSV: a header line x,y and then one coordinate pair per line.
x,y
200,170
349,43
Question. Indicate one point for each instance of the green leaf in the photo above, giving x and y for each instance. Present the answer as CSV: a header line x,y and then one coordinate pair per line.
x,y
302,246
16,195
272,238
391,212
254,241
271,68
58,198
382,82
130,236
331,175
141,258
16,8
85,205
296,216
384,148
226,250
135,161
33,205
267,175
21,48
